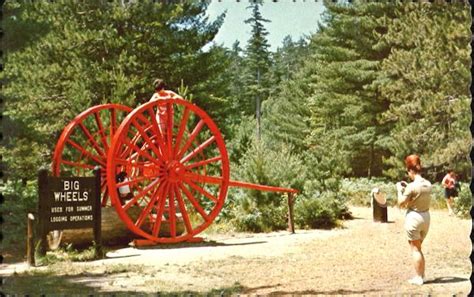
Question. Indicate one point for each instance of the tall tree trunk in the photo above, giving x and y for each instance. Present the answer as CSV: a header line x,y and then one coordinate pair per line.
x,y
371,160
257,111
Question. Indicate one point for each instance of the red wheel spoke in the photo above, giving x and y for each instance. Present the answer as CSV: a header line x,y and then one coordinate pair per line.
x,y
198,149
92,140
90,145
101,130
194,202
156,129
150,143
142,152
172,212
103,185
161,209
152,122
133,181
184,212
113,122
203,178
105,196
190,140
200,190
204,162
75,164
131,162
143,133
182,128
134,164
128,149
167,148
141,194
146,211
96,158
169,128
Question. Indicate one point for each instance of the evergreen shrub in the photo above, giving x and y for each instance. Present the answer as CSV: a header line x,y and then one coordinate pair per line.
x,y
463,204
259,211
357,192
315,212
20,198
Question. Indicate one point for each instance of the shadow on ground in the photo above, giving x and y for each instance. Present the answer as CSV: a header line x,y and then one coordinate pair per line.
x,y
446,280
52,285
195,244
110,254
306,292
365,219
64,285
315,292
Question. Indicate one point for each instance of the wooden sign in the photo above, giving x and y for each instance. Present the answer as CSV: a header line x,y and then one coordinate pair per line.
x,y
69,203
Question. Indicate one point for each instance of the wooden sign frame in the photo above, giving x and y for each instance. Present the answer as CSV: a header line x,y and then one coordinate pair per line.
x,y
75,205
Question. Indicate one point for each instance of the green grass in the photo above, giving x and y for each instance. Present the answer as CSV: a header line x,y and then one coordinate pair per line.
x,y
43,284
69,254
221,227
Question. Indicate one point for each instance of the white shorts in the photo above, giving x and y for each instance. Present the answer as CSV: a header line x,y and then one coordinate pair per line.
x,y
417,224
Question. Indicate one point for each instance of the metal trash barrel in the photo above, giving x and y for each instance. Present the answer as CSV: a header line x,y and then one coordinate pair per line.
x,y
379,205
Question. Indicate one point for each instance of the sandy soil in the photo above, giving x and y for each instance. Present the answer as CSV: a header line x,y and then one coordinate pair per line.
x,y
363,258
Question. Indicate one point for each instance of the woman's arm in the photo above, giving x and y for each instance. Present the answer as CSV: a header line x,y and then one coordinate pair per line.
x,y
171,95
165,94
444,183
403,195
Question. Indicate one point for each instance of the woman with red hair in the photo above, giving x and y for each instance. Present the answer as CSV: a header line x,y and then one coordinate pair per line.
x,y
416,197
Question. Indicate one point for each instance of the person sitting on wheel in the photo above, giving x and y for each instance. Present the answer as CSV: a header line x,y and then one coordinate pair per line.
x,y
162,94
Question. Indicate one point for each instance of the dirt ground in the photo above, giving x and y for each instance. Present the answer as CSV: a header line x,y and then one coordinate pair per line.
x,y
362,258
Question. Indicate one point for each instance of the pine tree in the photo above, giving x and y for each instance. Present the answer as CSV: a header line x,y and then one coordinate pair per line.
x,y
257,65
426,80
92,52
237,87
286,114
345,106
286,61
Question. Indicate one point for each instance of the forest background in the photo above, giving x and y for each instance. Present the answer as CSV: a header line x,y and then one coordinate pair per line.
x,y
332,115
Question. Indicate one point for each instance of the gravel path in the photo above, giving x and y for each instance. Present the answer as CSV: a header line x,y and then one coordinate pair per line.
x,y
362,258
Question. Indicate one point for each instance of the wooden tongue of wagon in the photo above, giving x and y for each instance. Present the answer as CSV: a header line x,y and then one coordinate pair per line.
x,y
164,165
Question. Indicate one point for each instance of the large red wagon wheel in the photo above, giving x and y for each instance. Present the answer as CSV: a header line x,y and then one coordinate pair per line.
x,y
176,167
85,141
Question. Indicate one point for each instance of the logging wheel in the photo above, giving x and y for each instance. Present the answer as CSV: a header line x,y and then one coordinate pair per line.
x,y
173,171
85,141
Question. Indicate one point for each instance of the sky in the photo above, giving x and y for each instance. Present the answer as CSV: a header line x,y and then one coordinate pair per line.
x,y
288,17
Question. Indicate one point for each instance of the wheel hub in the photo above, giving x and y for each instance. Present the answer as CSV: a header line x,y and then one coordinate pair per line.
x,y
175,170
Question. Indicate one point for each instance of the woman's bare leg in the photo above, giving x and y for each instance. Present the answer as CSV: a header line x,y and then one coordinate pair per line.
x,y
449,203
418,258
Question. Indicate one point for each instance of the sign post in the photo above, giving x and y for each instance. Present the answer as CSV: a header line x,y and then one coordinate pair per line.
x,y
291,222
69,203
30,243
98,211
43,193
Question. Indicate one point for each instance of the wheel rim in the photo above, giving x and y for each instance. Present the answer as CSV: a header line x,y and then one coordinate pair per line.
x,y
85,141
166,160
